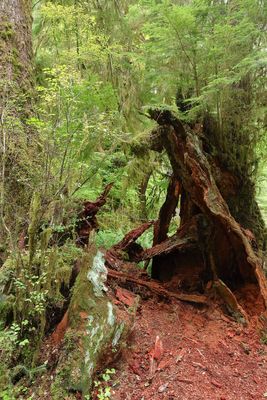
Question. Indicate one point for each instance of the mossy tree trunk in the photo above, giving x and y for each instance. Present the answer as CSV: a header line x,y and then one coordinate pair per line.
x,y
17,141
92,331
233,149
16,45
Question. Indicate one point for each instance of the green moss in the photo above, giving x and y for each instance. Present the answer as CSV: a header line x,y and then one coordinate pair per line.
x,y
6,30
94,329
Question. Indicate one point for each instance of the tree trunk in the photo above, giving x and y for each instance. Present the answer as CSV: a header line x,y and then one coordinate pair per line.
x,y
16,47
234,163
18,152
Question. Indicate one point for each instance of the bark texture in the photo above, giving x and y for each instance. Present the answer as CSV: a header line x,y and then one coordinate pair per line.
x,y
16,42
18,152
228,250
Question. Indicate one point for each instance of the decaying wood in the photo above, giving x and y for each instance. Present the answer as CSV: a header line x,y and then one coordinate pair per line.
x,y
87,220
231,302
132,236
116,254
192,168
167,211
170,245
158,288
184,240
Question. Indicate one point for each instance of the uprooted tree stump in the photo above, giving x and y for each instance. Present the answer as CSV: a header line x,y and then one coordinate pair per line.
x,y
226,250
210,247
210,252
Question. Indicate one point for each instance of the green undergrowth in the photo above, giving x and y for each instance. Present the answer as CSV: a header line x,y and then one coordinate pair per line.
x,y
34,283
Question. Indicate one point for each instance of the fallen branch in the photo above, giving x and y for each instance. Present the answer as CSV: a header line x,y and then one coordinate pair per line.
x,y
132,236
158,289
172,244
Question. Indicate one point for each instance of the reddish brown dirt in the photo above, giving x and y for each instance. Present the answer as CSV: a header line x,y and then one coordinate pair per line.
x,y
200,354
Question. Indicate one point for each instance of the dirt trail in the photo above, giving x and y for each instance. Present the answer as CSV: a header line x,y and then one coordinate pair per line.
x,y
200,354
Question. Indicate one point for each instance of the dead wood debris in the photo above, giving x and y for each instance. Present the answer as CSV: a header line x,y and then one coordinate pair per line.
x,y
158,288
87,221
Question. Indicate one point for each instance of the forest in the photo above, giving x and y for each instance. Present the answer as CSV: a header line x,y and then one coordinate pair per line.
x,y
133,199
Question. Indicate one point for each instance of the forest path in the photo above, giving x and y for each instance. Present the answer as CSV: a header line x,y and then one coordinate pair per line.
x,y
200,354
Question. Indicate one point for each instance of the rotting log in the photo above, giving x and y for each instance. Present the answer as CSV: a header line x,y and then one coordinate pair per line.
x,y
128,251
184,240
91,332
192,168
170,245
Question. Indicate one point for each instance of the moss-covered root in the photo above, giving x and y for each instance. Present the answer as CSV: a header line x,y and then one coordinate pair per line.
x,y
95,330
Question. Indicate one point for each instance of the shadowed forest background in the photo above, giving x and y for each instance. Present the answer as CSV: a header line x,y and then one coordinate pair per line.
x,y
83,86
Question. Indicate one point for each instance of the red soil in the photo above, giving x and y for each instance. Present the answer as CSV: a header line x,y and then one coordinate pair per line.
x,y
180,351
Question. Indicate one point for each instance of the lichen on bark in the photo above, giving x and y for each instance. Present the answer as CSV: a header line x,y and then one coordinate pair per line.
x,y
96,330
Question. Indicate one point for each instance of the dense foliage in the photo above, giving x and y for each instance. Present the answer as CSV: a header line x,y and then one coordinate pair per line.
x,y
98,66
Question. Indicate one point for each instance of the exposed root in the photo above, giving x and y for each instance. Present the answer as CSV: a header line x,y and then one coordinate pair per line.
x,y
158,289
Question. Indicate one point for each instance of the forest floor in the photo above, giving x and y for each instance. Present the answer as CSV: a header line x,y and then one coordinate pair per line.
x,y
181,351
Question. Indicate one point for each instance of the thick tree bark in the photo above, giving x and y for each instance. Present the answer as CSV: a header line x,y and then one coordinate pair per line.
x,y
18,154
232,170
16,44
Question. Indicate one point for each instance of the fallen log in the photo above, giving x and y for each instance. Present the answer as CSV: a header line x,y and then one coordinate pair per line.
x,y
157,288
91,332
